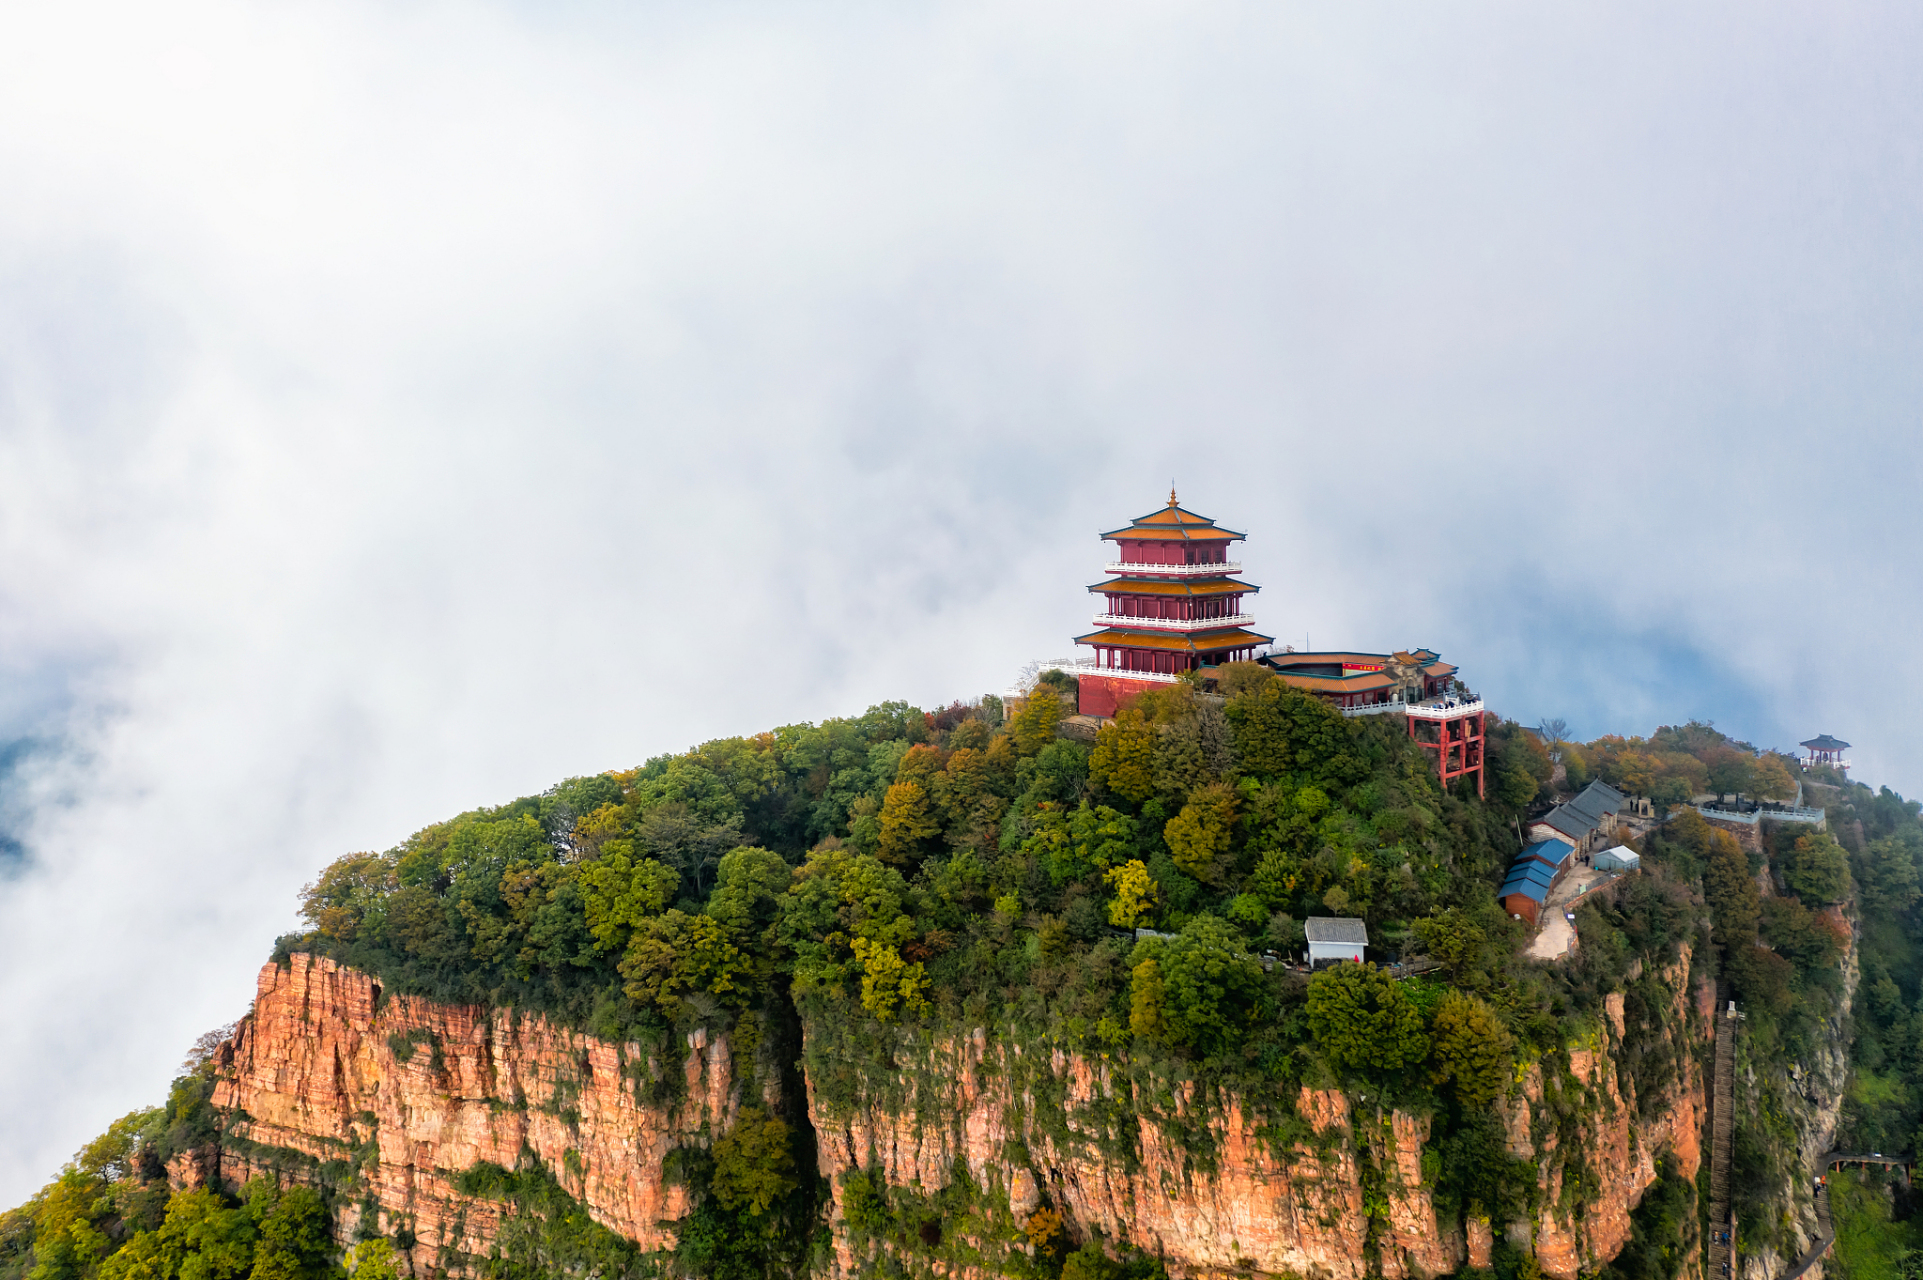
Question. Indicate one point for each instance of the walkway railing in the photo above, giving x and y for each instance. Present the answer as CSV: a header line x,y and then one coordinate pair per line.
x,y
1435,709
1174,570
1174,624
1815,817
1079,667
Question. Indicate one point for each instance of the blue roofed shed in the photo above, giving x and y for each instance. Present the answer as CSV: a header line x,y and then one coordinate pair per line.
x,y
1549,852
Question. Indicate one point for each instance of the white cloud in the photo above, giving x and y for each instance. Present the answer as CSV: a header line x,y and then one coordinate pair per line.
x,y
403,407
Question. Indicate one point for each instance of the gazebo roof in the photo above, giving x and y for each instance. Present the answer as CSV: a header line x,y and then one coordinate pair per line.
x,y
1826,743
1173,524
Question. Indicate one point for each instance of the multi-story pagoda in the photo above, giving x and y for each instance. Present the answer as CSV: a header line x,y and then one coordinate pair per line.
x,y
1174,605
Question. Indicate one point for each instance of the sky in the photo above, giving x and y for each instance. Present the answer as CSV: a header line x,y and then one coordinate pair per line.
x,y
406,406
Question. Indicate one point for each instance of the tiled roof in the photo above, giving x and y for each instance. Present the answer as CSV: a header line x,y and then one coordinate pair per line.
x,y
1338,929
1533,892
1360,682
1549,851
1825,743
1201,642
1571,822
1530,869
1173,523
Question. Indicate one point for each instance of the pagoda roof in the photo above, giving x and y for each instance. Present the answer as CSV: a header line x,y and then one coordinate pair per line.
x,y
1173,586
1173,523
1426,658
1176,641
1825,743
1360,682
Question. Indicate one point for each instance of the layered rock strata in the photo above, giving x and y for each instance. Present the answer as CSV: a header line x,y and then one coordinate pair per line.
x,y
413,1093
406,1094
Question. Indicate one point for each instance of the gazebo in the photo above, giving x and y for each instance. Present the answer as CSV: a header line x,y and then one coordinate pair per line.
x,y
1826,751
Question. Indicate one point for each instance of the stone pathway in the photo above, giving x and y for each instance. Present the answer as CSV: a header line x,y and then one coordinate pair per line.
x,y
1558,936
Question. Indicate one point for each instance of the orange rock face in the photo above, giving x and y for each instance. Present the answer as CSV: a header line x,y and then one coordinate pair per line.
x,y
318,1069
416,1092
1617,1150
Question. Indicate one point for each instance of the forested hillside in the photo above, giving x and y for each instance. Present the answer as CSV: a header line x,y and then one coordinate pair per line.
x,y
902,876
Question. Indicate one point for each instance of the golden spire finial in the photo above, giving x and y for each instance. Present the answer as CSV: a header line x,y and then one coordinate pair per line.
x,y
1171,493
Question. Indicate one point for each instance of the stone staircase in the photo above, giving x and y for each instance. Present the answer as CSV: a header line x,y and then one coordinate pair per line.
x,y
1722,1228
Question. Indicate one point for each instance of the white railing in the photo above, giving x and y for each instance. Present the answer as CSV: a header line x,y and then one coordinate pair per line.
x,y
1173,570
1436,709
1175,624
1445,708
1814,817
1375,709
1079,667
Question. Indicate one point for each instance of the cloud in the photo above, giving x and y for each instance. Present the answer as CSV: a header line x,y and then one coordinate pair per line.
x,y
405,407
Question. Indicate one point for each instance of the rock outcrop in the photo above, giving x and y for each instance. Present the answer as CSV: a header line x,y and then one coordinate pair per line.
x,y
413,1093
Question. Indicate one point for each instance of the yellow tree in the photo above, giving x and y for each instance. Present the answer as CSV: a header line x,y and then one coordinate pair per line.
x,y
907,819
1034,725
1124,756
1134,893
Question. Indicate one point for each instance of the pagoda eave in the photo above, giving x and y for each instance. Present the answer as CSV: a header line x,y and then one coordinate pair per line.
x,y
1203,642
1172,586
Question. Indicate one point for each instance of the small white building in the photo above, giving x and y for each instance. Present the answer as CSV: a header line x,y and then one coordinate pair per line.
x,y
1335,938
1620,858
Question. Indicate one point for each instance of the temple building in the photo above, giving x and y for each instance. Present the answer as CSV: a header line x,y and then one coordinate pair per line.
x,y
1172,605
1416,684
1364,679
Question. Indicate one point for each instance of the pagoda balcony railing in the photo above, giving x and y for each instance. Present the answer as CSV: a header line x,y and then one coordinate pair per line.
x,y
1174,570
1175,624
1433,709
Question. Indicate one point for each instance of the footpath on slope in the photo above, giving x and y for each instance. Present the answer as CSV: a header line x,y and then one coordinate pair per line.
x,y
1722,1228
1825,1235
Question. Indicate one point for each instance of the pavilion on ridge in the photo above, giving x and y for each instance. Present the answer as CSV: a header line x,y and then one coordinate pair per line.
x,y
1826,751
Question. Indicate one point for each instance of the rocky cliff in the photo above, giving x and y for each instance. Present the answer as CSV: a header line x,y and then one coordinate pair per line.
x,y
390,1100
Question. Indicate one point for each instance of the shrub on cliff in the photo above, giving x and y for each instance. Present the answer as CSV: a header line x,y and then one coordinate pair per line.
x,y
1363,1021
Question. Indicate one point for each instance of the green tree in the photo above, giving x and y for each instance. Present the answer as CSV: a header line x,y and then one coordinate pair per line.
x,y
1278,730
373,1260
676,953
1212,989
1817,870
1363,1020
1450,939
747,892
296,1234
1198,837
1734,903
754,1163
1471,1050
621,893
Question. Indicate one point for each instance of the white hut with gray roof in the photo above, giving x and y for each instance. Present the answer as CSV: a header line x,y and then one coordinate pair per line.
x,y
1335,938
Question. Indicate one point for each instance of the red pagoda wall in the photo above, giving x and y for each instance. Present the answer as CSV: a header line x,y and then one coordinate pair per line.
x,y
1104,695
